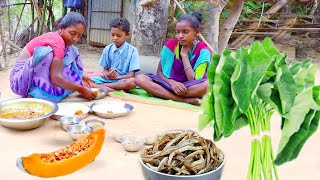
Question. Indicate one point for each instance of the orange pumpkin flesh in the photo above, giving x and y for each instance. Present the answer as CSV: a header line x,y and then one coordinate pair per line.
x,y
67,160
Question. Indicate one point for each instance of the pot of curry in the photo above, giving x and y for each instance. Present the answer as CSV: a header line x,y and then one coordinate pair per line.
x,y
25,113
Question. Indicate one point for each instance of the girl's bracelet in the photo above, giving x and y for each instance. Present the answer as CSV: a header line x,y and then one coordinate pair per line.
x,y
187,68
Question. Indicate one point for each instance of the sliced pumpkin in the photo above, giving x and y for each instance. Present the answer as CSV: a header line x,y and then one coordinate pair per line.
x,y
67,160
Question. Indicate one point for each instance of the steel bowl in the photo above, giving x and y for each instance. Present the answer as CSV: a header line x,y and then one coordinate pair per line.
x,y
150,174
111,109
101,93
77,131
69,109
66,121
95,124
26,105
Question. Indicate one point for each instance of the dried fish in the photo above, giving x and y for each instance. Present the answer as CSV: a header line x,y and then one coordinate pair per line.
x,y
181,152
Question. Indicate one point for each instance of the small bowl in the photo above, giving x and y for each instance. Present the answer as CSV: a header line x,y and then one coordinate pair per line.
x,y
116,135
132,143
77,131
95,124
66,121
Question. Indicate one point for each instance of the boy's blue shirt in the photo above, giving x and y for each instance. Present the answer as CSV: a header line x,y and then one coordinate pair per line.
x,y
123,59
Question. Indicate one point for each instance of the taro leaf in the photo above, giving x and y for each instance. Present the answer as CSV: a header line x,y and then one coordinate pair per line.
x,y
248,75
295,139
305,76
295,117
212,69
286,87
313,126
223,101
235,120
276,57
207,106
312,129
240,122
295,67
208,101
268,94
271,50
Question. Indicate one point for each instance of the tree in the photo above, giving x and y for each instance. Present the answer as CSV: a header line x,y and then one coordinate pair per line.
x,y
150,27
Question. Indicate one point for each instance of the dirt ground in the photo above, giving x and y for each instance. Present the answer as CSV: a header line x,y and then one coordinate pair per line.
x,y
115,163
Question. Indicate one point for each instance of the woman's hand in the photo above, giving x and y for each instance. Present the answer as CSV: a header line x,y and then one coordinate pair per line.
x,y
88,93
179,88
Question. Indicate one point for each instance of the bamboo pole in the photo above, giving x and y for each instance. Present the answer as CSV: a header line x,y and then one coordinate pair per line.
x,y
2,65
43,16
200,35
35,4
229,25
15,32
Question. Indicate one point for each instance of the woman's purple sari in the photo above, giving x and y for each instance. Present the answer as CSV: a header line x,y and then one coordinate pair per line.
x,y
32,76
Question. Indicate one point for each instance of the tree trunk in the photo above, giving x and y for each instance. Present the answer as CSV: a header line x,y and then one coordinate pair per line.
x,y
216,7
229,24
150,27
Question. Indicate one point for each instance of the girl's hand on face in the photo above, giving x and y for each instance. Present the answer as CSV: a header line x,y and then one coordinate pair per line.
x,y
179,88
185,51
88,93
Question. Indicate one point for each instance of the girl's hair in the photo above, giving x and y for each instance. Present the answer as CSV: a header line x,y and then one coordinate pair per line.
x,y
72,19
120,23
195,19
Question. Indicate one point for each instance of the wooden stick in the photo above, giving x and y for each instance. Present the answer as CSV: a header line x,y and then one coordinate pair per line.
x,y
289,23
255,33
229,25
12,44
275,8
200,35
3,44
314,7
15,32
287,29
35,4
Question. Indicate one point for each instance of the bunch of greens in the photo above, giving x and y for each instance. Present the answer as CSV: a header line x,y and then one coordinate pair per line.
x,y
246,87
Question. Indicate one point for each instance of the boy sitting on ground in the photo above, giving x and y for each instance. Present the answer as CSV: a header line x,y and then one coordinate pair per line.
x,y
120,60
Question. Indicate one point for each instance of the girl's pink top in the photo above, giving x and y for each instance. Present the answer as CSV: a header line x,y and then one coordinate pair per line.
x,y
52,39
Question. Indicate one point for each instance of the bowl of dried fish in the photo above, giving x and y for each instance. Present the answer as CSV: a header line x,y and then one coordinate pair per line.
x,y
111,109
25,113
71,109
182,155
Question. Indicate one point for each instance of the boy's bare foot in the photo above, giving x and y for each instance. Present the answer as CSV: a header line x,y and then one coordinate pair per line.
x,y
103,86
